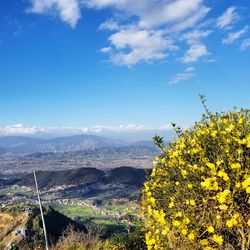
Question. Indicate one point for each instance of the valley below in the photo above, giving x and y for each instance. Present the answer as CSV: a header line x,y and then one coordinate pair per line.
x,y
97,185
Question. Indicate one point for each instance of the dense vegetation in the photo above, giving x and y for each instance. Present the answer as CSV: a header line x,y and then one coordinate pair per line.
x,y
198,195
87,176
81,176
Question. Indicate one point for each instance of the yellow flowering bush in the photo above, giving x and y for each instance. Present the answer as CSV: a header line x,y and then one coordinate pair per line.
x,y
198,195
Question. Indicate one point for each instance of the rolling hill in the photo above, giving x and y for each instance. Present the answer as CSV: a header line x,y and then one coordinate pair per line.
x,y
86,176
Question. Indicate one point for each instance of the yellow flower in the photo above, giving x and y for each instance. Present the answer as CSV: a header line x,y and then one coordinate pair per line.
x,y
218,239
179,214
190,186
165,231
246,183
204,242
235,166
192,202
222,196
223,207
184,173
248,222
177,183
152,200
171,204
214,133
229,223
230,128
184,231
223,174
248,141
210,229
186,221
176,223
191,236
238,185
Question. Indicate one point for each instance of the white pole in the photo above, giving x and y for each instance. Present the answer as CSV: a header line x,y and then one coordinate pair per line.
x,y
41,209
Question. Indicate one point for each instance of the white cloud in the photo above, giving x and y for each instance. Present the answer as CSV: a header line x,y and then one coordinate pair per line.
x,y
142,29
109,25
152,13
195,52
195,35
147,39
233,36
148,30
106,49
228,18
134,45
67,10
191,21
184,76
245,44
20,129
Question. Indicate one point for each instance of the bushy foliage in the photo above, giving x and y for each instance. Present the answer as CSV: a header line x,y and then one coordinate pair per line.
x,y
134,240
198,195
75,240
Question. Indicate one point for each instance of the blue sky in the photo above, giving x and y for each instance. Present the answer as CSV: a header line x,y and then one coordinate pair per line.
x,y
120,66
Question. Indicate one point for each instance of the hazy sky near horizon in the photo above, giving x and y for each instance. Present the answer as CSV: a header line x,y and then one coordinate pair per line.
x,y
120,65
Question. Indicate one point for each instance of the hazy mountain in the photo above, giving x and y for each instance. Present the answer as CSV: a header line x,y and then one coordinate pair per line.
x,y
28,145
20,145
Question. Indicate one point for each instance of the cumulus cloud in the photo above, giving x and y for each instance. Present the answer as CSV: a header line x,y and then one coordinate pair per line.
x,y
194,53
142,34
228,18
184,76
134,45
67,10
147,30
233,36
148,39
245,44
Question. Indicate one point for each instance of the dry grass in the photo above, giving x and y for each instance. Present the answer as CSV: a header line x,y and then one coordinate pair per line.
x,y
76,240
8,224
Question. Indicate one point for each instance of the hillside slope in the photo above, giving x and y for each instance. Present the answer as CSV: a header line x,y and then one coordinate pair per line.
x,y
22,226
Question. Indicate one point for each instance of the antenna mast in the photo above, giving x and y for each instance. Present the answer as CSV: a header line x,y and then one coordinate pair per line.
x,y
41,210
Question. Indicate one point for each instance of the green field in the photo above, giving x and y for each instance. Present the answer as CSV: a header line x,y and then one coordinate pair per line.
x,y
87,216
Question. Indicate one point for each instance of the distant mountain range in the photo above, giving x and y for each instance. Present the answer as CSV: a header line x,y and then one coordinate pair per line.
x,y
20,145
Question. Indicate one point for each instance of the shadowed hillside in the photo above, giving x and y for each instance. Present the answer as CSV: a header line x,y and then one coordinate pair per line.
x,y
82,176
86,176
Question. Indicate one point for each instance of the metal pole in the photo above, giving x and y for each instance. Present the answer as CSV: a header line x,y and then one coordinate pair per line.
x,y
41,210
